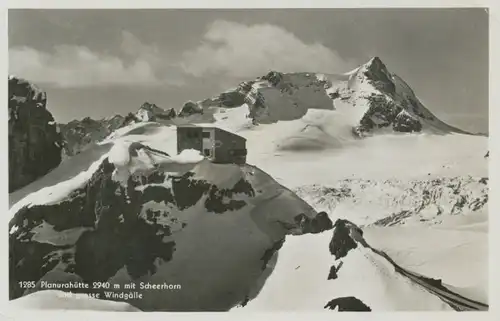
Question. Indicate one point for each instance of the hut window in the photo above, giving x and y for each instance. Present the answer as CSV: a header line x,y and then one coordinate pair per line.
x,y
238,152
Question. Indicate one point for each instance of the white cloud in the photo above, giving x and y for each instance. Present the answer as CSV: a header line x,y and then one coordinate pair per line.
x,y
75,66
228,49
133,47
71,66
238,50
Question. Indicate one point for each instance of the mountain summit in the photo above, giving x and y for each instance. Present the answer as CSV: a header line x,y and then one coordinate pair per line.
x,y
366,101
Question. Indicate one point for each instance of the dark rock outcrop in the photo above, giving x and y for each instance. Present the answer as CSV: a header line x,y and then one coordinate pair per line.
x,y
151,112
190,108
34,142
320,223
381,113
229,99
268,254
405,123
342,242
384,112
78,135
349,303
273,77
333,272
376,71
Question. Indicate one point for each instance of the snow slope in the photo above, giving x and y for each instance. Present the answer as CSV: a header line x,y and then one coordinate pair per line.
x,y
324,141
457,254
59,300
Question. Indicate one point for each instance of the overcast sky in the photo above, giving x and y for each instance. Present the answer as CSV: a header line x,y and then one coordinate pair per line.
x,y
102,62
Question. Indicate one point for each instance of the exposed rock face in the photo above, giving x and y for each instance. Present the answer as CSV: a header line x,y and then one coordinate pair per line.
x,y
341,242
349,303
385,112
278,96
319,224
273,77
81,134
382,113
227,99
275,96
406,123
34,143
151,112
214,239
190,108
377,73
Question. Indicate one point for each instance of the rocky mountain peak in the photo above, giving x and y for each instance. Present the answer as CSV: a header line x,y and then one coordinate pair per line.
x,y
375,63
20,88
34,141
151,112
378,74
151,107
190,108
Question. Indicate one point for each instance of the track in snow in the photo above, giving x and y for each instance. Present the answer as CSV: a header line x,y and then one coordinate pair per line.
x,y
454,300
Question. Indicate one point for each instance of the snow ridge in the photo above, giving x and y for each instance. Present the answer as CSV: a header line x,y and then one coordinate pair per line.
x,y
348,243
340,271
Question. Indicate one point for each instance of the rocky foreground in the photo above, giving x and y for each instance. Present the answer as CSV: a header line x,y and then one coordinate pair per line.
x,y
34,143
210,228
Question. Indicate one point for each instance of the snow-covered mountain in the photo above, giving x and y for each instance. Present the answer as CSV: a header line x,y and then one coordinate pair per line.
x,y
370,96
357,146
362,102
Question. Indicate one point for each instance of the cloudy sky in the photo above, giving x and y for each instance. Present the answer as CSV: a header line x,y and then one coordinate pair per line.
x,y
101,62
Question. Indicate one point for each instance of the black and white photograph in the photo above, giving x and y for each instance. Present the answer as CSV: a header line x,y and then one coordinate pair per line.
x,y
248,159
